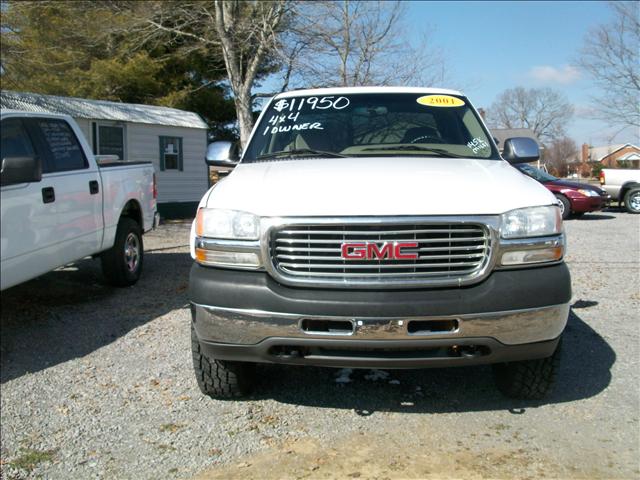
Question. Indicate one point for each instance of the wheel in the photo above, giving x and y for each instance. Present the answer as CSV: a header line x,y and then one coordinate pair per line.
x,y
527,379
220,378
565,206
632,200
122,263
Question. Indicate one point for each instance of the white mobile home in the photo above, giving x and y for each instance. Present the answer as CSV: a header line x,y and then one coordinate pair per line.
x,y
174,140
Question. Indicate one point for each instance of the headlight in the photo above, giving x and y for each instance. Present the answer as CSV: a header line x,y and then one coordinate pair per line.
x,y
531,222
229,224
538,255
221,258
588,193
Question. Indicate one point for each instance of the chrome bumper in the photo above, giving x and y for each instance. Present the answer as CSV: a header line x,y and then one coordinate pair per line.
x,y
249,327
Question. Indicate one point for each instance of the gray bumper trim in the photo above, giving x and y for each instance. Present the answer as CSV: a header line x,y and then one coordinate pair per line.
x,y
425,353
250,327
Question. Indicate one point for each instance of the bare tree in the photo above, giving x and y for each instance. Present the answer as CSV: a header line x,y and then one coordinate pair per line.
x,y
351,43
610,55
246,38
543,110
558,154
244,32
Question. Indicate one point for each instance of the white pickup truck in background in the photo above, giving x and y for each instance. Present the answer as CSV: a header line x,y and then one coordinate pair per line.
x,y
59,206
623,184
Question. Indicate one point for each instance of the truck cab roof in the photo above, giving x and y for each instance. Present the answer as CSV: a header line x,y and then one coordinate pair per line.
x,y
352,90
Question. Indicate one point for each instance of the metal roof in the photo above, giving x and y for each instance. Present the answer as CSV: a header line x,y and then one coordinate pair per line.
x,y
100,109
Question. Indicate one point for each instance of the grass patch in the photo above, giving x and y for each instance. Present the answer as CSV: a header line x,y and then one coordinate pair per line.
x,y
30,458
170,427
164,447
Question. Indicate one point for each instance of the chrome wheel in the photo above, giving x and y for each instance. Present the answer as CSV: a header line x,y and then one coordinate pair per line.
x,y
634,201
132,252
565,206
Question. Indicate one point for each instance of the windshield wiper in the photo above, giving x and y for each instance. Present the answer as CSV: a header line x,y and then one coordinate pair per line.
x,y
297,152
441,152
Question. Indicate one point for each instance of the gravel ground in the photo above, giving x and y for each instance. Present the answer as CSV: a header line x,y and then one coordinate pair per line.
x,y
97,382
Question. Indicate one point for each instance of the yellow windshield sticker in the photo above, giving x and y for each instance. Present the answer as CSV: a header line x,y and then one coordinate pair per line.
x,y
440,101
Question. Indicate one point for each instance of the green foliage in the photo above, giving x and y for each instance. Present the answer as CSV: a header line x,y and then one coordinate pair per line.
x,y
596,169
99,50
624,164
30,458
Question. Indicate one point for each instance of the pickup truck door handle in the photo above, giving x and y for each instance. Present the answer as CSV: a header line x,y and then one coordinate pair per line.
x,y
48,195
94,187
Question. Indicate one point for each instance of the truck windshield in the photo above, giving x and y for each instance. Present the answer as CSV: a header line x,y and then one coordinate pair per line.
x,y
370,124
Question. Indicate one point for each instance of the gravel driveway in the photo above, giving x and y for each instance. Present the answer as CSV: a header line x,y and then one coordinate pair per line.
x,y
98,382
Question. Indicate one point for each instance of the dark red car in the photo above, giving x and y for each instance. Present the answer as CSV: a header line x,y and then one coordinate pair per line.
x,y
574,198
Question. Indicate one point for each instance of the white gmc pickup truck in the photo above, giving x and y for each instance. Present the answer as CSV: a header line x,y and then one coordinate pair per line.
x,y
59,206
377,228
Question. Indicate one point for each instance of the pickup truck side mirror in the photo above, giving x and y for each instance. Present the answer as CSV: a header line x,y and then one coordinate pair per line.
x,y
520,150
222,154
20,170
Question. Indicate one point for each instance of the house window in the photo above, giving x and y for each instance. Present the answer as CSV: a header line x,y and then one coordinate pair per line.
x,y
109,140
171,153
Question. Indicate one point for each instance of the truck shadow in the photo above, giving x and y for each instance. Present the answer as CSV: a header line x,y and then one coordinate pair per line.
x,y
594,216
71,312
585,372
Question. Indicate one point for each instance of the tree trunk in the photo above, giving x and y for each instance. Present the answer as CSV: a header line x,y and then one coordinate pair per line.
x,y
245,115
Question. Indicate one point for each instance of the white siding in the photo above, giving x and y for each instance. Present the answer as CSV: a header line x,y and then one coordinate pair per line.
x,y
85,126
143,144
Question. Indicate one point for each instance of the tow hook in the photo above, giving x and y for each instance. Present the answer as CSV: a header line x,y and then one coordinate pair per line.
x,y
467,351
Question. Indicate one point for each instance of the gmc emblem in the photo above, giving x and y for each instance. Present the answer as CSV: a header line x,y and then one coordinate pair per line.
x,y
371,251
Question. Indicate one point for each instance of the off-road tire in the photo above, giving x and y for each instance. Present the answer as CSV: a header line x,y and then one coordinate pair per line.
x,y
631,200
221,378
528,379
566,210
118,266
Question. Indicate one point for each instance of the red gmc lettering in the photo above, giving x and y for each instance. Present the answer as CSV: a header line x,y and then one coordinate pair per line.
x,y
374,252
405,256
358,251
371,251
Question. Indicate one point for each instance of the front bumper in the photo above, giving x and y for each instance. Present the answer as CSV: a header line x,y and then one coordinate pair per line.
x,y
584,204
512,315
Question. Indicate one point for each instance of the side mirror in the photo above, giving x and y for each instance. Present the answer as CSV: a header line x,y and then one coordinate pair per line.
x,y
222,154
20,170
520,150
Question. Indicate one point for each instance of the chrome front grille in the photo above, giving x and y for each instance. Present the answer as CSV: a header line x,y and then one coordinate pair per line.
x,y
447,253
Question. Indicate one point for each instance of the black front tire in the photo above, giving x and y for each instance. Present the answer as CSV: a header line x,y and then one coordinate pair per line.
x,y
122,264
632,200
528,379
221,378
565,207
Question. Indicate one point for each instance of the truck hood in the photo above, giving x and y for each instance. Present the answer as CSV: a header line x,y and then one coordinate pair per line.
x,y
377,186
